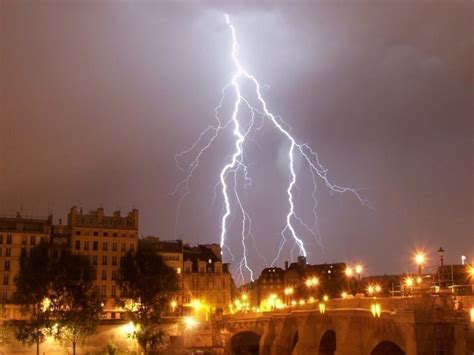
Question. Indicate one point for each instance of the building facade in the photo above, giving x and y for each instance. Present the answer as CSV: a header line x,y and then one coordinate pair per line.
x,y
201,275
104,240
17,236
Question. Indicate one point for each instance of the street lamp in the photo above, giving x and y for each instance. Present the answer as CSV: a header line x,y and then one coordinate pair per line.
x,y
358,269
420,260
471,271
311,282
288,292
441,256
349,272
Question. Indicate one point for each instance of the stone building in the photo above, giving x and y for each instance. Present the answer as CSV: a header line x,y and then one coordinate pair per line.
x,y
205,277
331,281
201,275
270,282
104,240
18,235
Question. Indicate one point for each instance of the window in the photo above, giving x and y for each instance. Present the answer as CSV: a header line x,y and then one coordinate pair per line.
x,y
4,297
104,291
178,270
94,260
5,279
114,275
124,247
132,247
23,252
113,293
115,234
96,234
86,245
8,252
78,244
9,238
104,260
78,232
94,275
114,260
23,240
7,265
104,275
33,240
114,246
0,251
104,246
95,246
1,238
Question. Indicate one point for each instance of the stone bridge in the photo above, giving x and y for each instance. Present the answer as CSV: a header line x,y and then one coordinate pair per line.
x,y
409,326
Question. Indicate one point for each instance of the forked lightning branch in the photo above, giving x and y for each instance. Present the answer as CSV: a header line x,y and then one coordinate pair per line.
x,y
235,171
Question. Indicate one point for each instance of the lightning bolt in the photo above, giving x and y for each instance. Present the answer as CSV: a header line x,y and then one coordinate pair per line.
x,y
236,166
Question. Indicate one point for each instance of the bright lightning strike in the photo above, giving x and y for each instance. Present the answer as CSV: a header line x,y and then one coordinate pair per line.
x,y
236,166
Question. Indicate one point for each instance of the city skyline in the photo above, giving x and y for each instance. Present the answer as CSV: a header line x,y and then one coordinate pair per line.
x,y
105,132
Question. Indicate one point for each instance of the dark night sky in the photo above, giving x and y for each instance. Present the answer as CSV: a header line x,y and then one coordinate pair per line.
x,y
97,97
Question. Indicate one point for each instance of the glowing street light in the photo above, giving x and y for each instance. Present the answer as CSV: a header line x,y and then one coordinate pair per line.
x,y
173,305
129,329
325,298
359,270
190,322
312,282
349,271
420,260
409,281
470,270
288,292
344,295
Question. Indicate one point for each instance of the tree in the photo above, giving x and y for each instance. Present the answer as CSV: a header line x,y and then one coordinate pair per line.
x,y
146,283
76,302
32,290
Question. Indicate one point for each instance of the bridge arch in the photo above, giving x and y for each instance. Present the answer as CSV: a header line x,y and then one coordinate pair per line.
x,y
327,344
245,342
387,347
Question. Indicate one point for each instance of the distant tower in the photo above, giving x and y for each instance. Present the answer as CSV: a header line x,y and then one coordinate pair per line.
x,y
302,260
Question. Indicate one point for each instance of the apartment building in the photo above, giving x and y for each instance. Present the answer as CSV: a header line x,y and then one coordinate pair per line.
x,y
18,234
104,240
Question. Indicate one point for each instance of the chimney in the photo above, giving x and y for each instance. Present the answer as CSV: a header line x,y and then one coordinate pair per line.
x,y
286,265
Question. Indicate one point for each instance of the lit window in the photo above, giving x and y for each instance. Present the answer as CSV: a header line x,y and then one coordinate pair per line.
x,y
178,270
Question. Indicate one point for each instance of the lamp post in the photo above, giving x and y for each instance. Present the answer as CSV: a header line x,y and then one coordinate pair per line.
x,y
441,263
358,270
419,260
311,282
349,273
288,292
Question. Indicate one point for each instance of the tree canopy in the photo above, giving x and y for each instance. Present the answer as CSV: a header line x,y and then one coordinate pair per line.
x,y
146,283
